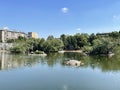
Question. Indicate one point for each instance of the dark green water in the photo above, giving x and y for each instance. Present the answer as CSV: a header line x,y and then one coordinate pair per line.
x,y
22,72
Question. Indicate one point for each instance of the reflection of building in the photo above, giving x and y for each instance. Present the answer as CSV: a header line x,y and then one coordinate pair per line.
x,y
5,63
9,61
32,34
6,34
5,46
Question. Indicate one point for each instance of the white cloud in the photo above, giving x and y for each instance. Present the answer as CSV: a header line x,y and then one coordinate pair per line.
x,y
65,10
5,28
78,29
116,17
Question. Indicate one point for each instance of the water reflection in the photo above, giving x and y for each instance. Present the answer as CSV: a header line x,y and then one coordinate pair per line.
x,y
11,61
105,64
54,58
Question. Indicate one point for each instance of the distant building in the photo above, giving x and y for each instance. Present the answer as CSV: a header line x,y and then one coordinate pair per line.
x,y
102,34
32,35
6,34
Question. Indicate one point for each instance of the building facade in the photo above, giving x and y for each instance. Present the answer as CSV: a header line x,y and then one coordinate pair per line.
x,y
6,34
32,35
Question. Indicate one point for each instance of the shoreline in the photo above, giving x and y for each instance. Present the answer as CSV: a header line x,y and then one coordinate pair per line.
x,y
63,51
37,54
4,51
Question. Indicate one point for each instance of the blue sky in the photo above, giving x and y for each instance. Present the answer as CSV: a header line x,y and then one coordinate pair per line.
x,y
56,17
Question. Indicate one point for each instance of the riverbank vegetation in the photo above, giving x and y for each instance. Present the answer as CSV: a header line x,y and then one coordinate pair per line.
x,y
94,44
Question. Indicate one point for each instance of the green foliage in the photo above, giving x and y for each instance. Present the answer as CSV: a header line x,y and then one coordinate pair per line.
x,y
92,37
20,38
53,45
51,37
87,49
75,42
17,50
63,37
114,34
96,44
105,46
82,39
71,43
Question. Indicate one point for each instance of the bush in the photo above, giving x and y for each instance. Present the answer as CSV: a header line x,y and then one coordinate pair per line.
x,y
16,50
105,47
87,49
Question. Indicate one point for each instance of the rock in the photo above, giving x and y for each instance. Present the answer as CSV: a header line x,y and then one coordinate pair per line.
x,y
31,52
73,63
111,54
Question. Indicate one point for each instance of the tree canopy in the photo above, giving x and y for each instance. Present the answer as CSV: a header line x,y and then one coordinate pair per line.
x,y
93,43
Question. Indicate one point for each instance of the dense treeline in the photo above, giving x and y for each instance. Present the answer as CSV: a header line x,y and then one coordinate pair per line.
x,y
24,45
94,44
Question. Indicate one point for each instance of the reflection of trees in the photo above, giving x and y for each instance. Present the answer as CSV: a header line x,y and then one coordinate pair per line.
x,y
71,55
8,61
101,62
104,63
110,64
54,58
58,58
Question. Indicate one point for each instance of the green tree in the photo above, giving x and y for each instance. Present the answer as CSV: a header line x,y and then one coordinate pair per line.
x,y
105,46
71,43
92,37
63,37
82,39
53,45
50,37
114,34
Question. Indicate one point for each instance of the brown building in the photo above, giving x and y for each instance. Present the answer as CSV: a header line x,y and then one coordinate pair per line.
x,y
32,34
6,34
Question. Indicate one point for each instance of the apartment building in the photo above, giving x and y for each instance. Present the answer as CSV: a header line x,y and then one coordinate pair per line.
x,y
6,34
32,34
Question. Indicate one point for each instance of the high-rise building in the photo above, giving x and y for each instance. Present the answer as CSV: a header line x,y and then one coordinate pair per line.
x,y
32,34
6,34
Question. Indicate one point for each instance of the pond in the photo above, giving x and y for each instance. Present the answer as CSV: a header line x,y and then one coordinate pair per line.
x,y
24,72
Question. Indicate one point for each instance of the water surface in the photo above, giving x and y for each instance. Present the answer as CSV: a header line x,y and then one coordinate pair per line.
x,y
23,72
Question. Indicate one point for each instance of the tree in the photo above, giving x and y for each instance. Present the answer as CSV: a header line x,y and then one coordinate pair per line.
x,y
114,35
91,38
71,43
53,45
105,46
41,44
82,39
51,37
63,37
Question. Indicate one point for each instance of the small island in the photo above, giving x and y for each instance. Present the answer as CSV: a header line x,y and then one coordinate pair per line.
x,y
38,53
74,63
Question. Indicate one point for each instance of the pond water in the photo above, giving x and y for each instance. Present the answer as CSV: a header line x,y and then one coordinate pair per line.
x,y
23,72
